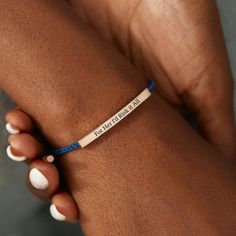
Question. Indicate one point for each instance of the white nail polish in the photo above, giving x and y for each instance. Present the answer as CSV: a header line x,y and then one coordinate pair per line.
x,y
56,214
12,130
37,179
13,157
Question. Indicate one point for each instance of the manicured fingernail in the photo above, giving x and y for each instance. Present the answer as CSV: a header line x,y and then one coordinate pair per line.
x,y
37,179
13,157
11,129
56,214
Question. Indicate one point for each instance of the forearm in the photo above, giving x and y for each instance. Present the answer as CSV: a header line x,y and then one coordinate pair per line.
x,y
61,67
69,81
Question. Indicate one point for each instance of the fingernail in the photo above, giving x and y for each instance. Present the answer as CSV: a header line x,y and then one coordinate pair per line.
x,y
11,129
56,214
37,179
13,157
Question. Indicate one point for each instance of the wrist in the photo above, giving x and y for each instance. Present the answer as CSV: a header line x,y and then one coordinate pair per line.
x,y
73,122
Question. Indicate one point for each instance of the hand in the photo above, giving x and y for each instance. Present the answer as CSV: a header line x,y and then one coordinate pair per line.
x,y
182,48
42,177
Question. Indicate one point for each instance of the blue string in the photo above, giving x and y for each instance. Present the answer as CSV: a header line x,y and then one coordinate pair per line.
x,y
63,150
151,85
59,151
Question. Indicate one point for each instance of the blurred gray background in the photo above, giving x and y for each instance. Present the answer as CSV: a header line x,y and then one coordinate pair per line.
x,y
23,215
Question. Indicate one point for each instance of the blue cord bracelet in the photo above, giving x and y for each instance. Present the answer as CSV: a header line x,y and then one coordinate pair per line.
x,y
63,150
109,123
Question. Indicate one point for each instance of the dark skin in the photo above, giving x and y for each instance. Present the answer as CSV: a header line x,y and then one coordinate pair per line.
x,y
179,44
128,182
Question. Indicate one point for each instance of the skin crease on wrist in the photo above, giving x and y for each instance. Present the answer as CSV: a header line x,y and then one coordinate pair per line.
x,y
154,184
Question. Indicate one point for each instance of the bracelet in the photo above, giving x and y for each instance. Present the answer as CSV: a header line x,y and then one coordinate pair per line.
x,y
108,124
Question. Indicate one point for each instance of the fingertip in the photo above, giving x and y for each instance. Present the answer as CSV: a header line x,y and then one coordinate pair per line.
x,y
64,208
37,179
56,214
13,156
25,145
12,129
42,179
18,121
